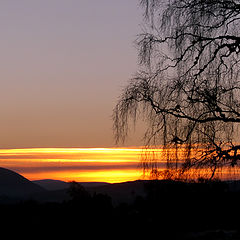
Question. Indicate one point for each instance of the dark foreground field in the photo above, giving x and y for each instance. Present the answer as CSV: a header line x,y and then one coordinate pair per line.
x,y
163,210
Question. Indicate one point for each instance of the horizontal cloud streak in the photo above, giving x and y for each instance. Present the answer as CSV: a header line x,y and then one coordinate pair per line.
x,y
75,168
85,164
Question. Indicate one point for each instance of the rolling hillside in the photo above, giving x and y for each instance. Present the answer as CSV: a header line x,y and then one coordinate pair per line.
x,y
14,185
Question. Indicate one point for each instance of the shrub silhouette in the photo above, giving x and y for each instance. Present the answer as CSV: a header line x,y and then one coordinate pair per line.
x,y
78,193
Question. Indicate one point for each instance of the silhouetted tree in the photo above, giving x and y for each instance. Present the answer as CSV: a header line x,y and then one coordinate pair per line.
x,y
188,85
78,193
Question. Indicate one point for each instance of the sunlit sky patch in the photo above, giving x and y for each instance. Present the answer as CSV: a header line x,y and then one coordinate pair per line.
x,y
79,164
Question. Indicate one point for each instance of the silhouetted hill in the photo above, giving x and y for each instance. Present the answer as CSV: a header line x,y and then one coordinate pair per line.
x,y
94,184
161,209
164,210
52,185
121,192
14,185
125,192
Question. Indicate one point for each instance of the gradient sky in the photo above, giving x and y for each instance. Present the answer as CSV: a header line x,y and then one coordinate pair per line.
x,y
63,65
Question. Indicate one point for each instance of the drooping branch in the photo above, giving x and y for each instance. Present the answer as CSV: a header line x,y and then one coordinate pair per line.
x,y
188,88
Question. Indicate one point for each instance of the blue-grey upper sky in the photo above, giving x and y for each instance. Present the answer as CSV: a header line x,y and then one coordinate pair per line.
x,y
63,64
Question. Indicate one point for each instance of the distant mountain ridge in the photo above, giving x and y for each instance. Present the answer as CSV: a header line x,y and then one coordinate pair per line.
x,y
52,185
15,185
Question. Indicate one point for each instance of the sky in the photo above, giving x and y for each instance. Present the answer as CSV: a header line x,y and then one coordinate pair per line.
x,y
78,164
63,65
89,164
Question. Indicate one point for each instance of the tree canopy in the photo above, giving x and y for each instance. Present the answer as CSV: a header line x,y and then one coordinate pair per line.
x,y
187,87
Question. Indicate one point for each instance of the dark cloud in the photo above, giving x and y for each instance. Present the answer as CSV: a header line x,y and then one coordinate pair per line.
x,y
75,168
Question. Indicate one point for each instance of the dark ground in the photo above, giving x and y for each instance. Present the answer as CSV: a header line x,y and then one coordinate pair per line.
x,y
168,210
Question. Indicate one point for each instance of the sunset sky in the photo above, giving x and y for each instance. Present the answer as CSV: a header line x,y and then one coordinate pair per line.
x,y
79,164
63,65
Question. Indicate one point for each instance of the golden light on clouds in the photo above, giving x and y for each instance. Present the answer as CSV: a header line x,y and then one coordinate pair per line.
x,y
84,164
79,164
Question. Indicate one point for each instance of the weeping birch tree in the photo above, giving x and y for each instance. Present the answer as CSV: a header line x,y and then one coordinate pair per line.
x,y
188,85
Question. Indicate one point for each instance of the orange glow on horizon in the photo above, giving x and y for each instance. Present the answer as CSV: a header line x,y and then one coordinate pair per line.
x,y
84,164
75,164
113,176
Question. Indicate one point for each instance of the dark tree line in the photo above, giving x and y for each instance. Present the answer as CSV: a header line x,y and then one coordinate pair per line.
x,y
167,210
187,86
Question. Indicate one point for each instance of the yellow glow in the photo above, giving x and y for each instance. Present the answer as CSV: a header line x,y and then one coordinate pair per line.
x,y
113,176
79,164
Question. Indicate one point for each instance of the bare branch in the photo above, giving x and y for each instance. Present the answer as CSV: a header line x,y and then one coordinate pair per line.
x,y
189,92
